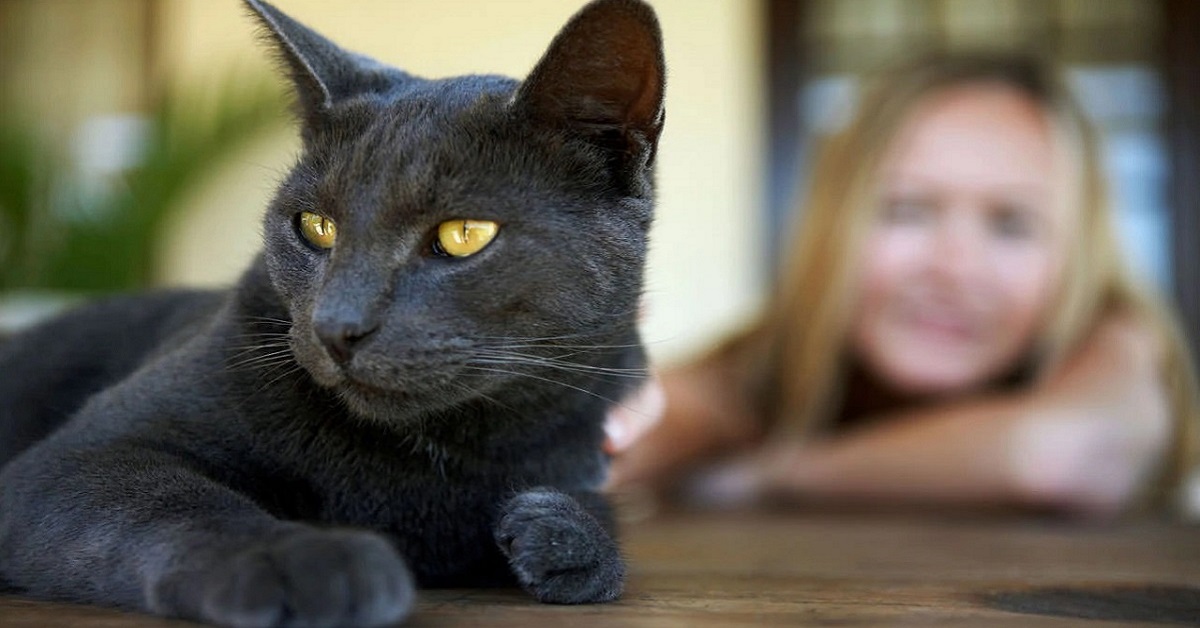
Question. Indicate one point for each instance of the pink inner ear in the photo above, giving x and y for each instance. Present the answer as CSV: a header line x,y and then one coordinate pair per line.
x,y
604,67
648,102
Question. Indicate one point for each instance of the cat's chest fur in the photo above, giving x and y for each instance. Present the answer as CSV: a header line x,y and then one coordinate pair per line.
x,y
434,486
392,478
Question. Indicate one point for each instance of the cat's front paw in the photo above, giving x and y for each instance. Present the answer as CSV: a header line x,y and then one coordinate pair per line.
x,y
313,578
559,552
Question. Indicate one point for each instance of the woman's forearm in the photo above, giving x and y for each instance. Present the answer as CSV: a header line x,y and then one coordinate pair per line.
x,y
1086,440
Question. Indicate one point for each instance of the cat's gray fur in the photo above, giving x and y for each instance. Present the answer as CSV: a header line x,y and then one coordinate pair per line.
x,y
201,454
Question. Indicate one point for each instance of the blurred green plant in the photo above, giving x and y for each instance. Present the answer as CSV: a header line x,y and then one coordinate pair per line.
x,y
62,232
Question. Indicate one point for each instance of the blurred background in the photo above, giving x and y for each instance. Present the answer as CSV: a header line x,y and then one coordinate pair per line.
x,y
141,139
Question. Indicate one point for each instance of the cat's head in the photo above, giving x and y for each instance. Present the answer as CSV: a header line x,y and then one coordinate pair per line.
x,y
440,240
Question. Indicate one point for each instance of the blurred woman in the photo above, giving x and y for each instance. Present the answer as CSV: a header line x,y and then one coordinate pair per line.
x,y
954,326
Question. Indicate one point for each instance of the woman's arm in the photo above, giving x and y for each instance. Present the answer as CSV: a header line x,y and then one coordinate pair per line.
x,y
1086,440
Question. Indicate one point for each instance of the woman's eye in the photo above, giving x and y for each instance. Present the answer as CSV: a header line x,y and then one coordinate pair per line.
x,y
460,238
318,230
907,210
1013,223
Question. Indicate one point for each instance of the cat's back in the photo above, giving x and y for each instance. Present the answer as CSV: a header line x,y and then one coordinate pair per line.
x,y
50,370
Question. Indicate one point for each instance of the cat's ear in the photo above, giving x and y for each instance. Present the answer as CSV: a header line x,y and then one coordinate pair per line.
x,y
321,72
603,77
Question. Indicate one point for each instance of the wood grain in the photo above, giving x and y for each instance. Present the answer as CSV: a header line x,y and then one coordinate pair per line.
x,y
829,570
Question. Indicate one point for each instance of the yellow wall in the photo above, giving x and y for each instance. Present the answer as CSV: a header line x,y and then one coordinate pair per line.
x,y
70,61
704,256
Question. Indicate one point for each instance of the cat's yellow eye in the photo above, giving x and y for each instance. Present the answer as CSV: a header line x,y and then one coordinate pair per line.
x,y
320,231
461,238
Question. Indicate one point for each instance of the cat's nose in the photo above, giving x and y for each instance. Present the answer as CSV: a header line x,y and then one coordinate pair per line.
x,y
340,338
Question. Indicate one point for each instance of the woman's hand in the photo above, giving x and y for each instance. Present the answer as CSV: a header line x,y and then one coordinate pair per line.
x,y
675,421
637,414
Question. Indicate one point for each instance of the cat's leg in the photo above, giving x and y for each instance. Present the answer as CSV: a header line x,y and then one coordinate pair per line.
x,y
560,547
145,530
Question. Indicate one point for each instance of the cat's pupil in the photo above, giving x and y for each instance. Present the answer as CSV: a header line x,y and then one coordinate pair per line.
x,y
438,249
466,237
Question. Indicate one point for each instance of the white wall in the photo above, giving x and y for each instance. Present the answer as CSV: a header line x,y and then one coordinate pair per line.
x,y
704,254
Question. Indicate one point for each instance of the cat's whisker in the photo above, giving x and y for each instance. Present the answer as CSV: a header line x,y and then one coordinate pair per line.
x,y
296,368
559,352
261,334
573,334
595,375
533,339
551,342
273,350
494,350
262,323
557,362
266,319
263,344
256,356
476,393
587,335
582,334
543,379
559,383
567,354
262,361
249,341
236,358
267,367
279,340
563,364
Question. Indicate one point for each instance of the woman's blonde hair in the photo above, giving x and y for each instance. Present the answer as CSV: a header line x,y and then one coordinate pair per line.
x,y
795,356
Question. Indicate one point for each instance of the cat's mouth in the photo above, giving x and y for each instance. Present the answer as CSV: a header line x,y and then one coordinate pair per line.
x,y
384,392
394,403
372,372
394,384
369,383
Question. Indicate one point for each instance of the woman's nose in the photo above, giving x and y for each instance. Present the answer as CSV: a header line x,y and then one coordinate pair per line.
x,y
957,252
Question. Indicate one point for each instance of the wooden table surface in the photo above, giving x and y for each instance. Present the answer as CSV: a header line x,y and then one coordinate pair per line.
x,y
835,570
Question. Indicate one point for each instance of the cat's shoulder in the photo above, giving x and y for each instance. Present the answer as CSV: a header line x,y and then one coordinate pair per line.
x,y
53,368
116,324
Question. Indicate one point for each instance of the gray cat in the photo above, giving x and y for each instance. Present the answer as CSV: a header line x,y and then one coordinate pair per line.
x,y
407,386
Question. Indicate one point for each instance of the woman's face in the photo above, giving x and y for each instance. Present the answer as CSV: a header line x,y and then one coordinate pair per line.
x,y
963,259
